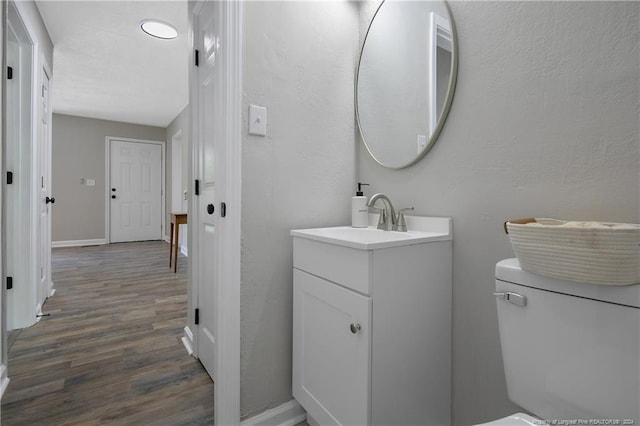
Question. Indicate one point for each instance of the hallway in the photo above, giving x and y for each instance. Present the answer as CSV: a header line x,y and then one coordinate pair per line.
x,y
109,349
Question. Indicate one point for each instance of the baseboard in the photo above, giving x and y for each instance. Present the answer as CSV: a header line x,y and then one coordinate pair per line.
x,y
183,249
187,340
288,414
4,380
78,243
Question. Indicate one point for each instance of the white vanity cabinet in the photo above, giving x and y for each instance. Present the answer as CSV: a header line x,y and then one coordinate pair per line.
x,y
372,326
335,363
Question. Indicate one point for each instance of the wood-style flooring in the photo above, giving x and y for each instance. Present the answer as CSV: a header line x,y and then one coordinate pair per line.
x,y
109,351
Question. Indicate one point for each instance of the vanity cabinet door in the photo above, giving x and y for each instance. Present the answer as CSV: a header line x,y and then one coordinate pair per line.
x,y
331,351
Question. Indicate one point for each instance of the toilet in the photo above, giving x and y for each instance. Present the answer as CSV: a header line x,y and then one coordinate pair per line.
x,y
571,351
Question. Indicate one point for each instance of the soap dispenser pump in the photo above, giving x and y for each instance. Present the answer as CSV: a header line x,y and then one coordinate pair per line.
x,y
359,209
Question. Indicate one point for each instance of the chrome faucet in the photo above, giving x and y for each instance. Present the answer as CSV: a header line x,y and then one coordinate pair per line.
x,y
385,213
397,222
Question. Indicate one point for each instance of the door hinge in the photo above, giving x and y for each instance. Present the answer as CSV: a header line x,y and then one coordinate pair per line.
x,y
197,58
9,73
9,178
9,283
223,209
197,187
196,320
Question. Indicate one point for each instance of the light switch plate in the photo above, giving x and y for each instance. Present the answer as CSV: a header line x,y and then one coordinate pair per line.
x,y
91,182
257,120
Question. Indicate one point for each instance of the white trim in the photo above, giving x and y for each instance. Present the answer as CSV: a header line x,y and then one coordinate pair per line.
x,y
288,414
187,340
192,200
4,379
228,303
22,200
176,140
49,289
183,249
107,180
78,243
227,360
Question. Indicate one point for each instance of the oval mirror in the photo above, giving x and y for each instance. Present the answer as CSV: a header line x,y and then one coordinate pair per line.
x,y
405,80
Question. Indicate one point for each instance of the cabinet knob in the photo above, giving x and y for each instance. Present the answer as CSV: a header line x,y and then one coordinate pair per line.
x,y
355,328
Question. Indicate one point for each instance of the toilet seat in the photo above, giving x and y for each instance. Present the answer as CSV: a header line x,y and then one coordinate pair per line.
x,y
518,419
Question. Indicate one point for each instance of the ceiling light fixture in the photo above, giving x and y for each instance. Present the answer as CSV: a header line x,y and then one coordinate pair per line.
x,y
158,29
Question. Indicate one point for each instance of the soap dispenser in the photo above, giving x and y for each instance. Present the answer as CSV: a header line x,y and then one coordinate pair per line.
x,y
359,209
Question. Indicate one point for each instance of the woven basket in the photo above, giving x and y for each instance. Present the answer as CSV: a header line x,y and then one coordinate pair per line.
x,y
592,252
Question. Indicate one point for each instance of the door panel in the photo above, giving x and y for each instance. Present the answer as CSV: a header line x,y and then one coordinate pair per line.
x,y
331,363
210,170
44,165
22,210
136,176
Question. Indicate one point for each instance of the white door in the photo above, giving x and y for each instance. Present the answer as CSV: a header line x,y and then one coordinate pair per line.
x,y
135,191
331,351
21,207
210,163
12,213
46,200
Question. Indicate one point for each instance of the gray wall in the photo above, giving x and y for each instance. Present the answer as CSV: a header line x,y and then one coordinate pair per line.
x,y
79,152
544,123
299,59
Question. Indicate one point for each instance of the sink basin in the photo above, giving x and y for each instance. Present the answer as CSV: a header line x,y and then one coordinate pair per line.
x,y
421,230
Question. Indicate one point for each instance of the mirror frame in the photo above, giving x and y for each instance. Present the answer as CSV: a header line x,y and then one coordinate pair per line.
x,y
447,103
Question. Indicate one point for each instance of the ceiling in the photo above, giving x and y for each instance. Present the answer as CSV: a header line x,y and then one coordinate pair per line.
x,y
105,67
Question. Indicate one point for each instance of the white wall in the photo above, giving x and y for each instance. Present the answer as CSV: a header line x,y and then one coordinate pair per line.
x,y
544,123
299,60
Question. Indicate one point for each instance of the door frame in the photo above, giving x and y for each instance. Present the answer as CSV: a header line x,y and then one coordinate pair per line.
x,y
26,192
177,190
25,17
176,141
440,35
227,383
107,182
45,240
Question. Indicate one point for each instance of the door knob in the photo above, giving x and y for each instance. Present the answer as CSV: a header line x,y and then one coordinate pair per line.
x,y
113,196
210,208
355,328
49,200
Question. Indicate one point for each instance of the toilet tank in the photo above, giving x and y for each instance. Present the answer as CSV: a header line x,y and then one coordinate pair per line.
x,y
572,352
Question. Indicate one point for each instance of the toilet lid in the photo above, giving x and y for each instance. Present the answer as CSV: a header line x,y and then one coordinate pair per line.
x,y
518,419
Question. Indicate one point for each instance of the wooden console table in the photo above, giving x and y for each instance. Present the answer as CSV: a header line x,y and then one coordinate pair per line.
x,y
177,219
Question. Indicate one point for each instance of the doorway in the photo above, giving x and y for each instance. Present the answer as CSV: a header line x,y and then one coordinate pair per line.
x,y
45,202
134,199
178,185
